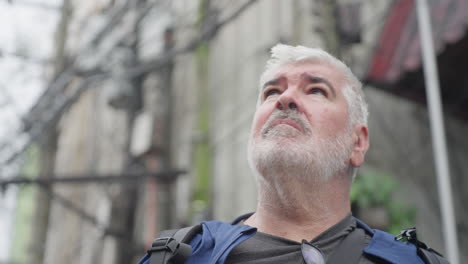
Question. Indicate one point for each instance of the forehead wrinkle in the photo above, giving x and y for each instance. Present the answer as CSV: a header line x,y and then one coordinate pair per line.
x,y
274,82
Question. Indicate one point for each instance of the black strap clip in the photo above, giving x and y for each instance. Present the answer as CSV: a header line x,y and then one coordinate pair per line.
x,y
407,234
410,235
168,250
164,244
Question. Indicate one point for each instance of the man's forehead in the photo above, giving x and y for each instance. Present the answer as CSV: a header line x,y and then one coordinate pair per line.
x,y
297,71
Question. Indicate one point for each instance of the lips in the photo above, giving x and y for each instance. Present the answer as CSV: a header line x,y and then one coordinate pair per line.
x,y
288,122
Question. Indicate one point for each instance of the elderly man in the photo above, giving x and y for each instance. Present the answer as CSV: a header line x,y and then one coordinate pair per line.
x,y
309,135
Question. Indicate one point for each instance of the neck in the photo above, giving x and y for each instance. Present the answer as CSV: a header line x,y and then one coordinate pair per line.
x,y
296,211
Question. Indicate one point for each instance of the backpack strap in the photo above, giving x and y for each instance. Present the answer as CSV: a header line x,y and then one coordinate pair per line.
x,y
383,246
428,255
172,245
350,249
431,257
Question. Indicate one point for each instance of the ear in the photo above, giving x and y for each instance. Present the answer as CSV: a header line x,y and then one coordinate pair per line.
x,y
360,145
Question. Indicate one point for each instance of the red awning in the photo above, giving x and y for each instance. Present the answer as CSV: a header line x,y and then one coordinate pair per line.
x,y
398,49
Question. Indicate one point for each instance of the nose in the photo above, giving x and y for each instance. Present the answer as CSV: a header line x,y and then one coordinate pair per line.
x,y
287,101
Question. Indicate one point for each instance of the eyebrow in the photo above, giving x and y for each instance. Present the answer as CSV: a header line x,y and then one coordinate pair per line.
x,y
315,79
272,82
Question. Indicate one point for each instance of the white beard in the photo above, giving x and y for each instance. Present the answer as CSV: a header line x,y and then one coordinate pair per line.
x,y
283,153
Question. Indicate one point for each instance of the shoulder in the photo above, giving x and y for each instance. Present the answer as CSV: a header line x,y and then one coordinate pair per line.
x,y
216,232
221,231
397,250
383,245
208,242
216,240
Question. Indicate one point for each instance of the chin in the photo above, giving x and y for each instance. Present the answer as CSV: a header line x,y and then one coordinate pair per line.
x,y
285,158
281,155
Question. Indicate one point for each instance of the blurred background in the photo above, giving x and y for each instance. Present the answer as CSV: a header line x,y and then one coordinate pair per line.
x,y
121,118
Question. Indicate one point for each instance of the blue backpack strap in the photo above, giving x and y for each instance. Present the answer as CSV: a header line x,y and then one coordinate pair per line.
x,y
429,255
386,246
172,246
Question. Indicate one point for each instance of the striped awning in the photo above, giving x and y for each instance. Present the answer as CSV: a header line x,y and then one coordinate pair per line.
x,y
395,64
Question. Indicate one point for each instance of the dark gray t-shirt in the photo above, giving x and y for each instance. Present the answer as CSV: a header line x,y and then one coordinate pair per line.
x,y
263,248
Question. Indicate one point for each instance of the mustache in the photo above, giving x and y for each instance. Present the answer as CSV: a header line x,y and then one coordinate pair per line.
x,y
286,114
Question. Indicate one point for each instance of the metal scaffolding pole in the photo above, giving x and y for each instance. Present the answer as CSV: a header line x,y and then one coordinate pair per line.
x,y
437,130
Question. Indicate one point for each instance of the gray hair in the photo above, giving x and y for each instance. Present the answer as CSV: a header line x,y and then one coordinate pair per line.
x,y
284,54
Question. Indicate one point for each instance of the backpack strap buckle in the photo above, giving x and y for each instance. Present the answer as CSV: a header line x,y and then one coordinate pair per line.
x,y
164,244
407,234
410,235
170,247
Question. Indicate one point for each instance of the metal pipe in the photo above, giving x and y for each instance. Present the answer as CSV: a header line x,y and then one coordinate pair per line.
x,y
163,176
438,134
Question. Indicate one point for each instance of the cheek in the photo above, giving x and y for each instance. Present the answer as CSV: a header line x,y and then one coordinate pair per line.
x,y
261,116
330,121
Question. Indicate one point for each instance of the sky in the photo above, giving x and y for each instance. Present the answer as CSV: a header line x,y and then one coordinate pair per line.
x,y
26,28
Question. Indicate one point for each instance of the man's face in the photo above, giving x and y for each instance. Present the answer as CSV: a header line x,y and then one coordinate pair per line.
x,y
302,120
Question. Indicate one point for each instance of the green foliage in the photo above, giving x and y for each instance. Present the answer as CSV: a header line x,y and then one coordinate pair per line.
x,y
202,162
376,189
203,155
24,212
372,189
401,216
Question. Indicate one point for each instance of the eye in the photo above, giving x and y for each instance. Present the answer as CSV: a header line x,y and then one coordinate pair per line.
x,y
271,91
317,90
